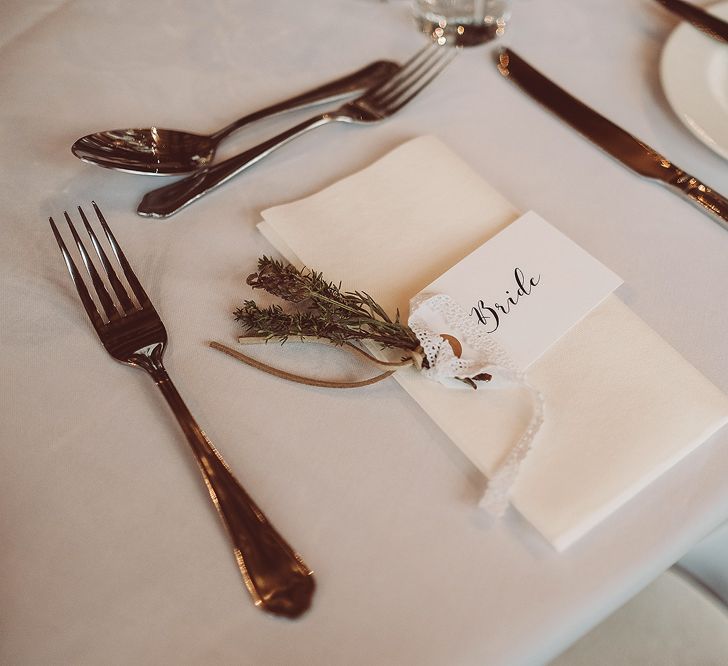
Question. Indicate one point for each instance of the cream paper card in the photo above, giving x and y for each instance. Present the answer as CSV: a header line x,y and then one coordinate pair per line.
x,y
622,406
525,287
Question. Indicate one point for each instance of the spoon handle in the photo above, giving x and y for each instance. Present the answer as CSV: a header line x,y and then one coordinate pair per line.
x,y
167,200
333,91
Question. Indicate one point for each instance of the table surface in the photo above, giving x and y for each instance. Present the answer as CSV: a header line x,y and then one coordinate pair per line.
x,y
110,551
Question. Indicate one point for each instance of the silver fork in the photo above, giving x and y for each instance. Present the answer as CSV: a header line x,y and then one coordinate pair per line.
x,y
132,332
379,102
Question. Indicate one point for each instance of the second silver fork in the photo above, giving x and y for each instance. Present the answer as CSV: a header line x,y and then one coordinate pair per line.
x,y
379,102
133,333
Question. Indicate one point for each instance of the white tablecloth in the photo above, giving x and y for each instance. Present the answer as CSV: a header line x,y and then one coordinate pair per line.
x,y
109,548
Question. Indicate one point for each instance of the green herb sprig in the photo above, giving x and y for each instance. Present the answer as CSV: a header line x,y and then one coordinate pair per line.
x,y
324,310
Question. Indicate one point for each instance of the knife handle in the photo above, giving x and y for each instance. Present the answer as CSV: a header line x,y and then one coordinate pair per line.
x,y
702,196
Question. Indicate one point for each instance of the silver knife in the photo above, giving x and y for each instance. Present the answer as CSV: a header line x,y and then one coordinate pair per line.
x,y
702,20
629,150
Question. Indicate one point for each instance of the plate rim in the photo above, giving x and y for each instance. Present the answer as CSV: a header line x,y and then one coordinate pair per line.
x,y
671,89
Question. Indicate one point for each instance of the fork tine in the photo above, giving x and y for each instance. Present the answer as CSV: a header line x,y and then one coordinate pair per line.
x,y
86,299
116,284
423,81
409,68
109,308
411,78
134,283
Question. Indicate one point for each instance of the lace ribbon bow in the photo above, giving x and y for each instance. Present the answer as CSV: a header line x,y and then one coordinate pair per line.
x,y
445,366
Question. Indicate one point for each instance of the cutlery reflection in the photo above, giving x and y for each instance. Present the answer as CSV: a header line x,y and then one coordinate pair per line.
x,y
132,332
629,150
165,152
379,102
702,20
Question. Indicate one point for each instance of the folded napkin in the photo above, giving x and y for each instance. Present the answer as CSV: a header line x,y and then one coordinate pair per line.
x,y
622,406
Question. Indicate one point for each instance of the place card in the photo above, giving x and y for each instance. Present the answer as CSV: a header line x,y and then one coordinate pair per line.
x,y
526,287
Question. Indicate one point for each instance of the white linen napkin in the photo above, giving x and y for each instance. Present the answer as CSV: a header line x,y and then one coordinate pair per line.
x,y
622,406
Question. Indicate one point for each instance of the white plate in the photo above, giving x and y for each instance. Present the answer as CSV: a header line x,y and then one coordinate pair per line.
x,y
694,73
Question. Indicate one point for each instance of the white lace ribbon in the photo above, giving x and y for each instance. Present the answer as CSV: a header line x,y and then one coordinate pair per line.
x,y
490,358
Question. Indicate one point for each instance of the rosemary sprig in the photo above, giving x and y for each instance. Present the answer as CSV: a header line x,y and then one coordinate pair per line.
x,y
325,311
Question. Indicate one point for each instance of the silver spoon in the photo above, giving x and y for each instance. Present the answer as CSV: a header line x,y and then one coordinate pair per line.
x,y
167,152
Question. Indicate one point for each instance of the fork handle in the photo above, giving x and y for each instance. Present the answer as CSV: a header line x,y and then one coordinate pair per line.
x,y
169,199
339,89
275,575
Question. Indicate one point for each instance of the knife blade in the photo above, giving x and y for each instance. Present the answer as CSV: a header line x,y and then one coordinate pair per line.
x,y
702,20
627,149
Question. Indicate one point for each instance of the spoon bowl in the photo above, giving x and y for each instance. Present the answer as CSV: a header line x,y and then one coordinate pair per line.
x,y
154,150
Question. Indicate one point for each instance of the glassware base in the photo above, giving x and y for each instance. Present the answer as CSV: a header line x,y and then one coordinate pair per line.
x,y
460,33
